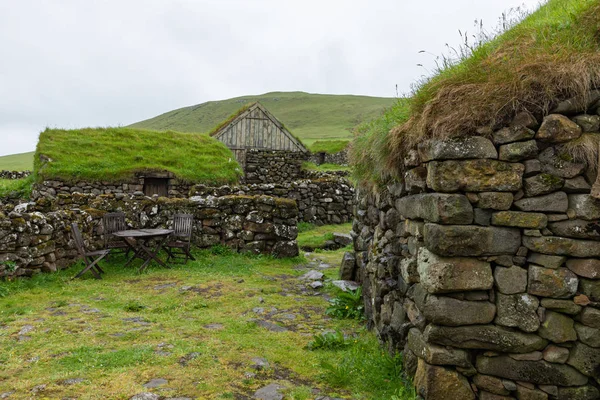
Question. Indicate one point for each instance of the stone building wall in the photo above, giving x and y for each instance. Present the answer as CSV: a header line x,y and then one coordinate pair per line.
x,y
36,237
265,166
51,188
483,266
14,174
320,201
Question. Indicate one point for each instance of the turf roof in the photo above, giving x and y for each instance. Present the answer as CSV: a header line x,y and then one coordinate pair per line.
x,y
118,154
551,55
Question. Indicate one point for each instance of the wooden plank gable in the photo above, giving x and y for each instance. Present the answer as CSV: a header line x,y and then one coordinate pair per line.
x,y
257,128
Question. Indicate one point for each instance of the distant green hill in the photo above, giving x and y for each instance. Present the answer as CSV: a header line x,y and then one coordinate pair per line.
x,y
310,117
17,162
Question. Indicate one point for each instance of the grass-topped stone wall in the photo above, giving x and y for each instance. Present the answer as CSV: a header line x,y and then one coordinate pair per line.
x,y
108,160
476,226
551,56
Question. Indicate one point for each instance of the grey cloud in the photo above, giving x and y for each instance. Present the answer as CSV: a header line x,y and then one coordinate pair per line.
x,y
95,63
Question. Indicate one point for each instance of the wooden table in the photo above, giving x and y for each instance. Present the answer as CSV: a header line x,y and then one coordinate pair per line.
x,y
136,239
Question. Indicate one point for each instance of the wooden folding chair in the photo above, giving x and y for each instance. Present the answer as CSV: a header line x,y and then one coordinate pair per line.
x,y
182,238
90,258
114,222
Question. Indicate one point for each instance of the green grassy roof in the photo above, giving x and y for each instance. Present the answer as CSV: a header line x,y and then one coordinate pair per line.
x,y
117,154
553,54
329,146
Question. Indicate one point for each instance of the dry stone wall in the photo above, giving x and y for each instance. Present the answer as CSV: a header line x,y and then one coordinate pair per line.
x,y
339,158
483,266
14,174
266,166
35,237
320,201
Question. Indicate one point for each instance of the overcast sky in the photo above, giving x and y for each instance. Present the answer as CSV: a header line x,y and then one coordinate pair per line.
x,y
78,63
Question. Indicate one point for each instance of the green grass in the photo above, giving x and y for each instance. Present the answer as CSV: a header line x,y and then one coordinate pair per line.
x,y
117,154
325,167
312,237
329,146
372,147
310,117
17,162
552,54
19,187
128,328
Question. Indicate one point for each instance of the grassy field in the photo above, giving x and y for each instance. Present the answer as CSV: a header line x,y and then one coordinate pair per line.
x,y
329,146
17,162
310,117
114,154
198,327
314,237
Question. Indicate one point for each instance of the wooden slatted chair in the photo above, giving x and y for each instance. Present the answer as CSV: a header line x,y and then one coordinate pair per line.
x,y
114,222
182,238
90,258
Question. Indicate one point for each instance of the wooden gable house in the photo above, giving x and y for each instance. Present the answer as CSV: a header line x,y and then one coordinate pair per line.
x,y
254,127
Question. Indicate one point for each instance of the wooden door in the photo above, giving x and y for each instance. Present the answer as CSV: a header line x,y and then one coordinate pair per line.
x,y
159,186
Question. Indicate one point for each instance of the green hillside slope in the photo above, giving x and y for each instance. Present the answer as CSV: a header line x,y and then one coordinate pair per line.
x,y
17,162
309,116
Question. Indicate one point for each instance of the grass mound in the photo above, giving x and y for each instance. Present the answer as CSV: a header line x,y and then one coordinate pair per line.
x,y
117,154
329,146
553,54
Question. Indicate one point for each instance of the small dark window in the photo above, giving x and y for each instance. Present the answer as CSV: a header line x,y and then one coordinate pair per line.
x,y
159,186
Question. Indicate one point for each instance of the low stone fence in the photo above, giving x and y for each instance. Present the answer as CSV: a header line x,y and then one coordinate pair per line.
x,y
14,174
36,237
320,201
483,266
264,166
339,158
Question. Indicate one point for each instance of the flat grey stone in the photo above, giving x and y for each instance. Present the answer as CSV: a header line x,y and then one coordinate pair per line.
x,y
539,372
557,202
488,337
466,273
259,363
346,285
518,310
437,207
270,326
442,310
154,383
270,392
559,246
316,285
312,275
455,149
145,396
474,241
26,329
343,239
